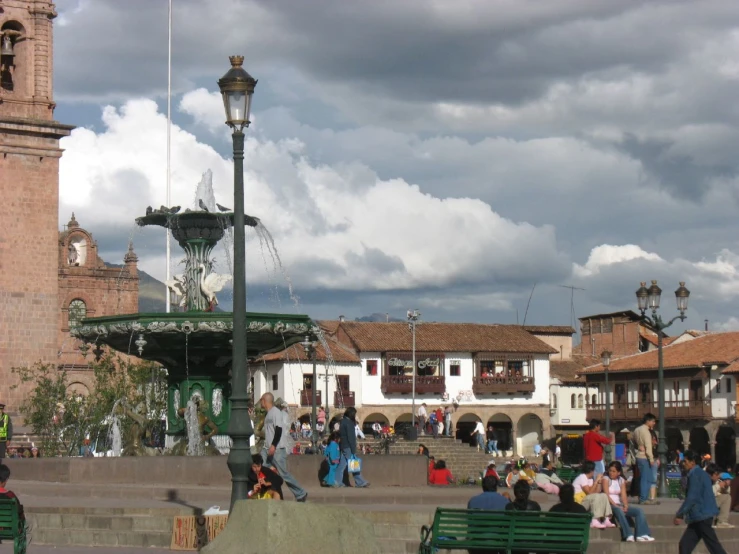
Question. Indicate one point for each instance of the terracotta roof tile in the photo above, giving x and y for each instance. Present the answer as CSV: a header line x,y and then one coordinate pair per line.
x,y
329,326
711,349
443,337
550,329
567,371
339,352
732,368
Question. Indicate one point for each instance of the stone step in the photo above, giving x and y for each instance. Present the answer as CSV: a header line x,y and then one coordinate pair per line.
x,y
97,537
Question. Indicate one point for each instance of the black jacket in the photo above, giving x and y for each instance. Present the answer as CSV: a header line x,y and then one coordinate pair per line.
x,y
348,434
269,476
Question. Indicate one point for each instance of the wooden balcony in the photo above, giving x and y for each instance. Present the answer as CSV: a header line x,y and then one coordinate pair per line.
x,y
344,399
635,411
403,384
503,384
306,397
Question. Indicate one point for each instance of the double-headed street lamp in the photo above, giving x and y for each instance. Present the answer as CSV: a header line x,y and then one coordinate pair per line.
x,y
413,316
605,358
310,351
648,299
237,87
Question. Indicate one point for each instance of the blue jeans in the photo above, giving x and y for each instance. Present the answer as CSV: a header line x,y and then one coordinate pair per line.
x,y
600,468
279,462
493,447
641,527
480,441
448,424
645,478
359,481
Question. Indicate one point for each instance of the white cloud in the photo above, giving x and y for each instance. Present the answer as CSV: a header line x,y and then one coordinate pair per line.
x,y
337,226
606,255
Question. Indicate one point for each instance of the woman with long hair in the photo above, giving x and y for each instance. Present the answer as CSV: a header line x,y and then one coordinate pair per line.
x,y
521,502
614,484
348,446
588,492
441,474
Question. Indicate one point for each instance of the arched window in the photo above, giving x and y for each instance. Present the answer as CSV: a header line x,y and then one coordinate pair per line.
x,y
554,401
572,402
594,400
77,312
580,401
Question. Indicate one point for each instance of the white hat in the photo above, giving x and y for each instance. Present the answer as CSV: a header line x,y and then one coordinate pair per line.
x,y
491,463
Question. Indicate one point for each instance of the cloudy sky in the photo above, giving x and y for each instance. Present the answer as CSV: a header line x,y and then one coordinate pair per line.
x,y
444,155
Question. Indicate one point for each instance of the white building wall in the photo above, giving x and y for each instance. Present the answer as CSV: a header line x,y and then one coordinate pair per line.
x,y
723,401
565,414
292,374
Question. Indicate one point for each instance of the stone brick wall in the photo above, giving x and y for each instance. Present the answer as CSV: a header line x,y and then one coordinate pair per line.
x,y
29,188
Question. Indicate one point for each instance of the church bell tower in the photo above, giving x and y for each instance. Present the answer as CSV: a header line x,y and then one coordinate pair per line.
x,y
29,191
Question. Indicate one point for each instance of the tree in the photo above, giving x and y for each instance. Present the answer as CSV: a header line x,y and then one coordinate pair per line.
x,y
63,419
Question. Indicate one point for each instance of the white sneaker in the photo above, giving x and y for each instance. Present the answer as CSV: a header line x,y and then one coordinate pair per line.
x,y
645,538
630,538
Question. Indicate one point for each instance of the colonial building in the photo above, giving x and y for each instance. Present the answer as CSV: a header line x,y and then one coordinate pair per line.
x,y
622,333
569,395
89,288
700,393
496,373
29,186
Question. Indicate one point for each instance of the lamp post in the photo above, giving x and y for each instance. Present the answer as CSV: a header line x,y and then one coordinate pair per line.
x,y
413,316
648,299
237,87
605,358
310,351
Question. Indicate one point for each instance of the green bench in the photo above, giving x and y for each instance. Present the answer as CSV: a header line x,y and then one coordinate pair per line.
x,y
10,527
567,474
506,531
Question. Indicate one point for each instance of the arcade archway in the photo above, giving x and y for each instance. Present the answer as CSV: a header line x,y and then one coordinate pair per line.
x,y
726,448
503,427
530,430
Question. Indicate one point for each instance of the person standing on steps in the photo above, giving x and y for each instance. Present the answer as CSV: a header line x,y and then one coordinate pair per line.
x,y
274,452
645,457
698,509
348,445
6,431
448,420
421,414
592,444
479,434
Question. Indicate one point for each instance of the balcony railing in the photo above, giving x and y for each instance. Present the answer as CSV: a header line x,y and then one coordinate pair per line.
x,y
520,384
634,411
404,384
306,397
343,399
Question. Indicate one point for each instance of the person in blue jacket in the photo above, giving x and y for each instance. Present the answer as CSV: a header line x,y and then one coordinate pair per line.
x,y
333,456
698,509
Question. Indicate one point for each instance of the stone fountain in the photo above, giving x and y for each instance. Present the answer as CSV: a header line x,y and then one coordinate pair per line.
x,y
194,344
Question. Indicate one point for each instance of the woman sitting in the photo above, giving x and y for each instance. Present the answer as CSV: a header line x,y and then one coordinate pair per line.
x,y
333,456
588,492
547,480
567,502
512,478
615,484
262,479
521,502
441,475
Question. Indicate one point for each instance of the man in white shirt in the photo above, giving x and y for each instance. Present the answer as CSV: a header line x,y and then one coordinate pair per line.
x,y
480,435
422,415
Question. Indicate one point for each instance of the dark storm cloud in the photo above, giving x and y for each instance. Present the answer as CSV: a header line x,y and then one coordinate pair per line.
x,y
682,175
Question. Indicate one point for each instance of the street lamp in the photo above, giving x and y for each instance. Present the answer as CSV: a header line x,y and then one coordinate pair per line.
x,y
310,351
413,316
237,87
648,299
605,358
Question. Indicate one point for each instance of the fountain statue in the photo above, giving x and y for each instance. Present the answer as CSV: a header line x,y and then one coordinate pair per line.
x,y
194,345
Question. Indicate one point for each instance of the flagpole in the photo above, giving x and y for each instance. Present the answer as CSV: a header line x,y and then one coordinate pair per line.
x,y
169,148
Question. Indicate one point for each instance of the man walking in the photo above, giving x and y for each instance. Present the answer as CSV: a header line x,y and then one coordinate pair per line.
x,y
592,444
645,458
448,420
421,414
479,431
6,431
698,509
275,435
492,447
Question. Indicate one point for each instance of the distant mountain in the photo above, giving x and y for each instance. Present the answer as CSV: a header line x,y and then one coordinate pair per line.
x,y
377,317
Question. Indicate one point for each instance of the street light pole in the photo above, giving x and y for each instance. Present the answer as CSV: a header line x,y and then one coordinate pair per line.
x,y
310,351
413,316
237,87
606,359
649,298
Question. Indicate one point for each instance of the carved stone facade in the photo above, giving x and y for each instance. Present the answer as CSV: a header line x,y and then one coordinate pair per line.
x,y
89,288
29,187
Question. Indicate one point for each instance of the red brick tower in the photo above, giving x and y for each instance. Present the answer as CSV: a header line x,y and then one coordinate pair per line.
x,y
29,191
